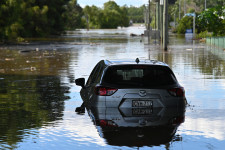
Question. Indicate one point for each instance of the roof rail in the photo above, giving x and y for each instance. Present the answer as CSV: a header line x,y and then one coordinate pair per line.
x,y
154,61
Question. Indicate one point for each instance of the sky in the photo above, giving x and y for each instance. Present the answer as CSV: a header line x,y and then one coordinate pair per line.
x,y
99,3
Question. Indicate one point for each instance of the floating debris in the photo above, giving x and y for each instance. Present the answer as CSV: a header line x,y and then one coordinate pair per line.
x,y
33,68
26,51
94,44
9,59
132,34
202,40
2,70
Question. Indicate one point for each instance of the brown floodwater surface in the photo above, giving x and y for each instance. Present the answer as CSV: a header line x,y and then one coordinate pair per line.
x,y
38,95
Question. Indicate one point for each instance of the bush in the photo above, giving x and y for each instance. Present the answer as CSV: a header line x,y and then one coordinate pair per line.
x,y
185,23
212,20
203,34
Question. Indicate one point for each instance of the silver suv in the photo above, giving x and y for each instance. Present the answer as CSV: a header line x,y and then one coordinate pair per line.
x,y
132,84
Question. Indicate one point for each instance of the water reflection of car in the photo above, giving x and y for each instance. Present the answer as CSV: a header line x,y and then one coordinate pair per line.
x,y
132,84
137,128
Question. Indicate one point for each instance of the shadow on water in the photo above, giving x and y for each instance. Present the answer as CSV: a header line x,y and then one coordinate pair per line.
x,y
29,102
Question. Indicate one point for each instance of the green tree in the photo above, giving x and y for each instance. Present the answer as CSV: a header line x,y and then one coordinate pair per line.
x,y
124,15
196,6
34,19
185,23
31,18
56,9
10,24
114,16
212,20
93,16
209,3
111,16
73,15
136,14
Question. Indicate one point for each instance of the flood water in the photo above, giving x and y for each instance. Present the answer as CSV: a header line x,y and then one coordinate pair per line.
x,y
38,95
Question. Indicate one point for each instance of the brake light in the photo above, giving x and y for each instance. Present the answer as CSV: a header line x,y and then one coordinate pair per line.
x,y
178,92
105,91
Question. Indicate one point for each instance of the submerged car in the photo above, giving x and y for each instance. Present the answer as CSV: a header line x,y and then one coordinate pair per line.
x,y
132,84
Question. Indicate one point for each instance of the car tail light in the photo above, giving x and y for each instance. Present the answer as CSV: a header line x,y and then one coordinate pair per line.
x,y
178,92
105,91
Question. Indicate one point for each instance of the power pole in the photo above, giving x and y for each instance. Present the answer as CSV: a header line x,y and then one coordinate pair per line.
x,y
87,20
184,7
165,25
194,26
161,20
157,15
179,9
149,18
175,20
205,5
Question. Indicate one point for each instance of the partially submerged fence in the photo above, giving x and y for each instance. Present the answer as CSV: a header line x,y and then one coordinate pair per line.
x,y
218,42
217,46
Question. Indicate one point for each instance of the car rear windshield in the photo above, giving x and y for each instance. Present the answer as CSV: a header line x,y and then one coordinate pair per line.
x,y
139,76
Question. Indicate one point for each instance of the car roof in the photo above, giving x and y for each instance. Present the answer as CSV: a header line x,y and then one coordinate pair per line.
x,y
134,62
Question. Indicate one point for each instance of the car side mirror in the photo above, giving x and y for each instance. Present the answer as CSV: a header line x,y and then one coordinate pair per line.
x,y
80,82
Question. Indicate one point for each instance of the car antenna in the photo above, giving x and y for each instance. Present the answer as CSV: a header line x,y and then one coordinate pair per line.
x,y
137,60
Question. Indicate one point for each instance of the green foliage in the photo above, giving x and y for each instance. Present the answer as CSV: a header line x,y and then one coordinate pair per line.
x,y
185,23
153,22
212,20
93,16
191,10
203,34
124,17
193,6
31,18
209,3
111,16
136,14
40,18
73,15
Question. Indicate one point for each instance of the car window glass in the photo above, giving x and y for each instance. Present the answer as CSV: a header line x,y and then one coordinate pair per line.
x,y
141,76
101,68
94,77
91,77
